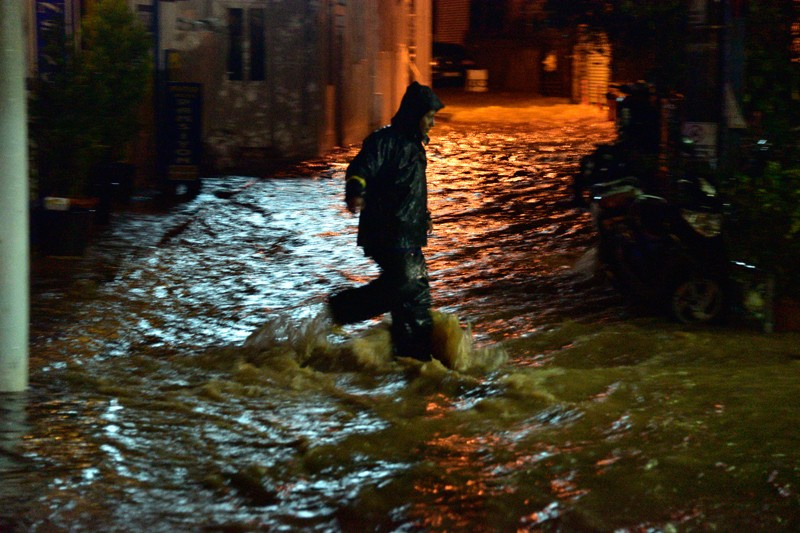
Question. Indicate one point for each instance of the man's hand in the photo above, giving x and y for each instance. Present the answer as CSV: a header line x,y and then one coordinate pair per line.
x,y
355,204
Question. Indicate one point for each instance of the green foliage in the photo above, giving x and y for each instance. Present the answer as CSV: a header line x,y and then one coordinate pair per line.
x,y
764,228
87,110
59,123
117,61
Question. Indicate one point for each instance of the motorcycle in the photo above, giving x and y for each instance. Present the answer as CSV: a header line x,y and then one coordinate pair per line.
x,y
661,253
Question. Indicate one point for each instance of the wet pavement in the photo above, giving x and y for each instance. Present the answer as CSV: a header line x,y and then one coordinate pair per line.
x,y
555,406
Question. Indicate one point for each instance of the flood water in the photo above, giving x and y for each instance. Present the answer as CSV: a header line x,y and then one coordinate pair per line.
x,y
181,380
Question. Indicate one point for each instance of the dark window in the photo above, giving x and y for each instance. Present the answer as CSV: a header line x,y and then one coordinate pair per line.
x,y
235,27
256,17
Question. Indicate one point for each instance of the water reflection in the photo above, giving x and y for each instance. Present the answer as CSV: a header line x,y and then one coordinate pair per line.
x,y
552,408
13,429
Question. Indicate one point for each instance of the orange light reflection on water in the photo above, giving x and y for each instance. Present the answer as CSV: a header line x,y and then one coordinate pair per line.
x,y
451,496
465,476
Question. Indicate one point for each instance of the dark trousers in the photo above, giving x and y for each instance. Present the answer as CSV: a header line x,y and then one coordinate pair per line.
x,y
401,289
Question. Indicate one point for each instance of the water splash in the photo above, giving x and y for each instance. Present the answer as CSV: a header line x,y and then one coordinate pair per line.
x,y
454,346
317,342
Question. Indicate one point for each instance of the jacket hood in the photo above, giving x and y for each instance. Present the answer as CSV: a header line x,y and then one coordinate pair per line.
x,y
418,100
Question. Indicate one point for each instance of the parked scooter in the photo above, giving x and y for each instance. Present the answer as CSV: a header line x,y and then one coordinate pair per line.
x,y
666,252
659,253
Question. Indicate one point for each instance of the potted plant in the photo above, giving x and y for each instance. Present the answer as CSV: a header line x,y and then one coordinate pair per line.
x,y
84,110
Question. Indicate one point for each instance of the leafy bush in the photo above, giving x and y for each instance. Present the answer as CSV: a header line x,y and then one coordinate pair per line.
x,y
764,228
87,110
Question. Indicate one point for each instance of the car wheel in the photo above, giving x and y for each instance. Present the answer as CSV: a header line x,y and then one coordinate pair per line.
x,y
697,300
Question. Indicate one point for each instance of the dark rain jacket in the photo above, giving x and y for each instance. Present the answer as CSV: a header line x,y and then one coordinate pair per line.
x,y
391,165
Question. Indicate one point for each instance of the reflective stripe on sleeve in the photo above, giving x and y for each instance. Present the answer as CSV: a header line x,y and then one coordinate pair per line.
x,y
360,180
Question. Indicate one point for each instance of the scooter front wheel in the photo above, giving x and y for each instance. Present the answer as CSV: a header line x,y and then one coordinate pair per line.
x,y
697,300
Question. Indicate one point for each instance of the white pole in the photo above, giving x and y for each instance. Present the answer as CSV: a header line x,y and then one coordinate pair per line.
x,y
14,247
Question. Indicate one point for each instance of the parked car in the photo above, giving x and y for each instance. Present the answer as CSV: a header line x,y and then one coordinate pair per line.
x,y
449,64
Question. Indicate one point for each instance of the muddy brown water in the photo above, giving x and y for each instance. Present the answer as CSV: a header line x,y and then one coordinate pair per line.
x,y
556,407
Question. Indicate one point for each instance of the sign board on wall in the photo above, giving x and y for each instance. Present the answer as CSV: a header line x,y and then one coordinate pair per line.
x,y
184,130
704,137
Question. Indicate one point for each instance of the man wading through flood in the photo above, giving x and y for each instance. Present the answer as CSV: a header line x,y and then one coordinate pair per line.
x,y
386,183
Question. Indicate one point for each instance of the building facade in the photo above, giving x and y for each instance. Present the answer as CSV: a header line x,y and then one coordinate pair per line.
x,y
279,79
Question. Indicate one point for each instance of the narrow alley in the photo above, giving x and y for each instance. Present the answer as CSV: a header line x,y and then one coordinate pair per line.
x,y
148,410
